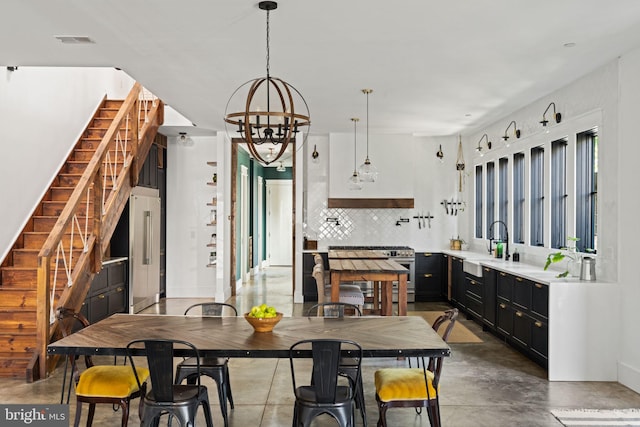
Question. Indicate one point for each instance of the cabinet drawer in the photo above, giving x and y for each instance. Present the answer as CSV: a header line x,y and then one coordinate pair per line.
x,y
117,274
540,300
474,306
98,308
117,300
540,339
522,293
522,324
475,287
505,286
100,282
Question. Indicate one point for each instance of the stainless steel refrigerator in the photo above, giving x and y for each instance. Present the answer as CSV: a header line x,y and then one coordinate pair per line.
x,y
144,248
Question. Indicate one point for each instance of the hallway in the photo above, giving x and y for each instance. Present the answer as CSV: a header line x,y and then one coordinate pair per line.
x,y
483,384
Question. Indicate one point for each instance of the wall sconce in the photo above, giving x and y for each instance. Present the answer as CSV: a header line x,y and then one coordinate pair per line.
x,y
440,154
479,147
516,132
556,116
281,168
315,155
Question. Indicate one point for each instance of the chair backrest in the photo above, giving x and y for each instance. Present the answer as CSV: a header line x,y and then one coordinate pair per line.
x,y
326,355
334,310
69,322
318,275
214,309
435,363
317,258
160,354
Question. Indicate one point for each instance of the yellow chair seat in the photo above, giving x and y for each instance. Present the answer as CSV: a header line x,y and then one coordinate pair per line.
x,y
110,381
403,384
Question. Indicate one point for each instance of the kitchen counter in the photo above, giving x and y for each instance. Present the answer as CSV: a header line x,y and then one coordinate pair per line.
x,y
533,272
581,346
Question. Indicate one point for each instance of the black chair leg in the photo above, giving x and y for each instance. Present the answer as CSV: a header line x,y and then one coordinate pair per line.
x,y
228,385
76,422
92,411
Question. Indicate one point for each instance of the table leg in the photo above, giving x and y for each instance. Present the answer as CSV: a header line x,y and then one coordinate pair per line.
x,y
402,295
387,298
335,286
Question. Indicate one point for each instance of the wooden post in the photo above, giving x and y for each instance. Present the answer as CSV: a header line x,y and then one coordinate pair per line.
x,y
42,312
97,218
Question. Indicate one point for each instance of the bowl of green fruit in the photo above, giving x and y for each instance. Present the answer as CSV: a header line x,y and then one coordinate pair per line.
x,y
263,318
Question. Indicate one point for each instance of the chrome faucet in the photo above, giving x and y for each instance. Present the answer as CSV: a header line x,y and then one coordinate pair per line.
x,y
491,239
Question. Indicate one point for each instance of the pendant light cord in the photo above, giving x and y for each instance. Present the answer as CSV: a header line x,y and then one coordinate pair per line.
x,y
268,78
367,92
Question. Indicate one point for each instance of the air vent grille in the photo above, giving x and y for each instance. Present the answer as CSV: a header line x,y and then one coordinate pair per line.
x,y
75,39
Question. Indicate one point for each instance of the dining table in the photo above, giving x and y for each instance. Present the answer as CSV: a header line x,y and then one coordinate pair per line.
x,y
382,272
379,336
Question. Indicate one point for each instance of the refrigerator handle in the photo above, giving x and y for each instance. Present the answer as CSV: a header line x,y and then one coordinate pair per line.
x,y
146,248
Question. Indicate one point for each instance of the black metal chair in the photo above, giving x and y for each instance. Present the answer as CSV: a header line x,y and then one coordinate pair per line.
x,y
165,397
324,394
216,368
113,384
414,387
348,365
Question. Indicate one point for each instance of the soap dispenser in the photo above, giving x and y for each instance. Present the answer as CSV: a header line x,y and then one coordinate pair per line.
x,y
516,256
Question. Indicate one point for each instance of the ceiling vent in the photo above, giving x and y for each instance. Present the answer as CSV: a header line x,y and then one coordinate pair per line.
x,y
75,39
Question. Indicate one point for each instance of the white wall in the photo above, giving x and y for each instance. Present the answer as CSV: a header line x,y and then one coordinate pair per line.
x,y
580,103
188,215
407,166
626,218
43,111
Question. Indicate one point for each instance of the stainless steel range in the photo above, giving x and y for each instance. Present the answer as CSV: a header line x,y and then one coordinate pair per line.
x,y
403,255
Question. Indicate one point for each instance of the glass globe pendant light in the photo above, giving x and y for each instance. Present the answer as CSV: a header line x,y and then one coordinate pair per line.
x,y
368,172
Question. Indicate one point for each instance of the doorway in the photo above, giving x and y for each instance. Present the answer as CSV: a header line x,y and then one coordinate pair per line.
x,y
279,220
255,220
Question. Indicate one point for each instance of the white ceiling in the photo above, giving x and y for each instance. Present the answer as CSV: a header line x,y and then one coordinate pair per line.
x,y
436,67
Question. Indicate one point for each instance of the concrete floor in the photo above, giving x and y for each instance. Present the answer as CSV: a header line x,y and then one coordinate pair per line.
x,y
483,384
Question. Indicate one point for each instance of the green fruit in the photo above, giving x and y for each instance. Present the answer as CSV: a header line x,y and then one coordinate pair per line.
x,y
264,307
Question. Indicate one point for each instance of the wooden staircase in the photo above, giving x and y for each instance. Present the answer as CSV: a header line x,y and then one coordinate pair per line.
x,y
53,260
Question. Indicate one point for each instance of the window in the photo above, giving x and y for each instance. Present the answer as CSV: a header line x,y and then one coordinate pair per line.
x,y
537,196
491,196
478,201
559,194
586,190
518,198
503,194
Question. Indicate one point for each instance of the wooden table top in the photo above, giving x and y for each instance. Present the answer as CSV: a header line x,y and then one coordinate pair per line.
x,y
356,254
234,337
367,266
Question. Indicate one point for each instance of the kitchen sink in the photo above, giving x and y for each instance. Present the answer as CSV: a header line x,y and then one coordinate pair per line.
x,y
472,267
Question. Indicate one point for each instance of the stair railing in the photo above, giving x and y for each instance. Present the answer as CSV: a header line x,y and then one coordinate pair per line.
x,y
74,249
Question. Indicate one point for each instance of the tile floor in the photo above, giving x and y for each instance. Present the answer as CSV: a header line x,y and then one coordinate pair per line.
x,y
486,384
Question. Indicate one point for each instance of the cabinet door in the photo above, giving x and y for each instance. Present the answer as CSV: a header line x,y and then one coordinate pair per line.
x,y
100,282
540,300
504,319
505,286
522,293
428,276
489,298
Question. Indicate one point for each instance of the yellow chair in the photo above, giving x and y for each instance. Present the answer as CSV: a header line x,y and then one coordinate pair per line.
x,y
113,384
414,387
